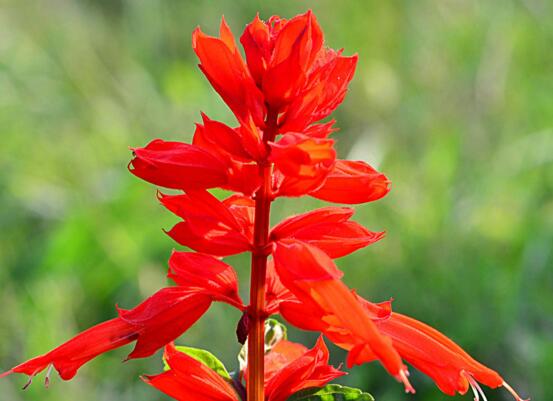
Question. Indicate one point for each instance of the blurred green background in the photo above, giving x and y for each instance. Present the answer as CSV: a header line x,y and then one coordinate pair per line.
x,y
452,99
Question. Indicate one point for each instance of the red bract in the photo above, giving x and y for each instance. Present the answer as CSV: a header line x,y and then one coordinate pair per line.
x,y
289,82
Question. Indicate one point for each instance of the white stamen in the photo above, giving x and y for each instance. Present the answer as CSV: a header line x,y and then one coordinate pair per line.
x,y
514,393
47,378
475,387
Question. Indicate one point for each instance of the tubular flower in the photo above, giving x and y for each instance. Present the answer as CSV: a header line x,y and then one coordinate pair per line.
x,y
288,82
190,379
174,309
329,229
178,165
353,182
291,367
223,66
314,279
209,225
452,369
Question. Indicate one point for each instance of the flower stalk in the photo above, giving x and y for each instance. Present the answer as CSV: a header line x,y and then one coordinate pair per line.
x,y
256,337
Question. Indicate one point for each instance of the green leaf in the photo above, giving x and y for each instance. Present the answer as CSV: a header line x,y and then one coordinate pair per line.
x,y
331,392
205,357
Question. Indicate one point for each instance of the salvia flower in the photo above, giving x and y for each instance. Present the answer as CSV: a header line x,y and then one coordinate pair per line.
x,y
280,93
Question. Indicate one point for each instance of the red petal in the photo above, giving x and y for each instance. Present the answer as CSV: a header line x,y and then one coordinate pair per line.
x,y
210,226
280,355
275,292
227,73
178,165
206,273
309,370
295,50
190,380
353,182
163,317
256,41
70,356
328,229
298,155
224,138
155,322
344,313
436,355
324,92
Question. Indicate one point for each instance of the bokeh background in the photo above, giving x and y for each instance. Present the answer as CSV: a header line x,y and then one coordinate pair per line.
x,y
452,99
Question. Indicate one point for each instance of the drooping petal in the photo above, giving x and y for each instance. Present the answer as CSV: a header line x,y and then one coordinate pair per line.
x,y
152,324
70,356
328,229
178,165
311,369
434,354
223,66
190,380
352,182
206,273
163,317
209,225
314,279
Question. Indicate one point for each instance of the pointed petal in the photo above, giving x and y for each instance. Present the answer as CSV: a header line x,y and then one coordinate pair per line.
x,y
353,182
224,68
311,369
205,272
190,380
328,229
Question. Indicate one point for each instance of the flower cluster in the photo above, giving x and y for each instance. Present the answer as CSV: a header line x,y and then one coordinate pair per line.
x,y
287,83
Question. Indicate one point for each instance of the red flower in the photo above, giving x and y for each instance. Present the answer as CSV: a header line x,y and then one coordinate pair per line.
x,y
207,274
178,165
223,66
155,322
189,379
327,305
329,229
173,309
291,370
353,182
291,367
314,279
209,225
296,72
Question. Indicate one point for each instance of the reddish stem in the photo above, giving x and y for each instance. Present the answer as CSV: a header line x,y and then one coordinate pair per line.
x,y
256,337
